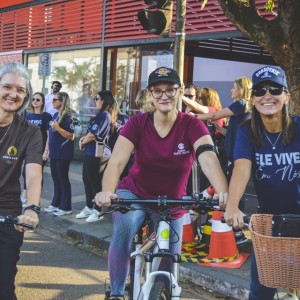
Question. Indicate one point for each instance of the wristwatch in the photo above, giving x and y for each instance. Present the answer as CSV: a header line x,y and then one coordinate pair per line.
x,y
33,207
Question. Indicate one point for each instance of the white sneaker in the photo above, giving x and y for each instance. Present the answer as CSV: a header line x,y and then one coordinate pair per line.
x,y
86,212
61,212
24,202
50,209
94,217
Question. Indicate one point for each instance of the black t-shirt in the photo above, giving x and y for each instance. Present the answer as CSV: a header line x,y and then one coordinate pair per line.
x,y
22,142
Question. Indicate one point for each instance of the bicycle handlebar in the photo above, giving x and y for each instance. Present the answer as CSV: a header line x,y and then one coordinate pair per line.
x,y
246,220
10,220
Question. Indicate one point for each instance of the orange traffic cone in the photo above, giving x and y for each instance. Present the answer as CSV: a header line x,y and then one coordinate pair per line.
x,y
223,251
188,232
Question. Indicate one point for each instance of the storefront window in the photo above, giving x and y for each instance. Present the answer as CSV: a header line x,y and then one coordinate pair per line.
x,y
78,71
129,69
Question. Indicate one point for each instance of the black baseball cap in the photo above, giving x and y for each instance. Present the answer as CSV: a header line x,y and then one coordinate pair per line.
x,y
269,73
163,74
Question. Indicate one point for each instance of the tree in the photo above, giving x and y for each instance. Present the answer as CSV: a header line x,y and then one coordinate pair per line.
x,y
278,35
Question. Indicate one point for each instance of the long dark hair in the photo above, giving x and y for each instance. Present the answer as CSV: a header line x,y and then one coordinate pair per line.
x,y
110,105
31,108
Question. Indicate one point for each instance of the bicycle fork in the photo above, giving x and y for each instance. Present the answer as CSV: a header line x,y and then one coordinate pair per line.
x,y
151,267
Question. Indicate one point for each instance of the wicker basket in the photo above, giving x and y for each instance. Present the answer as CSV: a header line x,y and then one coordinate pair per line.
x,y
277,258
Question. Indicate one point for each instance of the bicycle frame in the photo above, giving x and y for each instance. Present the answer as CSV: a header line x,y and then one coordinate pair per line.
x,y
144,258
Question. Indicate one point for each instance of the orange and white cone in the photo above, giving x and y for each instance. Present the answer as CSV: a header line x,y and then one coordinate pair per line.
x,y
223,251
188,232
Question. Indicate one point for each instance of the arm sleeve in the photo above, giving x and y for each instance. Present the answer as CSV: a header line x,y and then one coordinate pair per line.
x,y
243,146
34,149
238,107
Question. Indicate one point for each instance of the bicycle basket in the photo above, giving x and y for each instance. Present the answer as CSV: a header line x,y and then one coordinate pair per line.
x,y
277,258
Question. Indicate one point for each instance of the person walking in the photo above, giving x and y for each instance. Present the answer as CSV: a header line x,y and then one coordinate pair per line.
x,y
165,144
37,116
269,146
61,148
19,141
97,152
55,88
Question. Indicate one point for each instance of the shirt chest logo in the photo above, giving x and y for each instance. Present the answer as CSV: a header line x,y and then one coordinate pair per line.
x,y
181,150
11,155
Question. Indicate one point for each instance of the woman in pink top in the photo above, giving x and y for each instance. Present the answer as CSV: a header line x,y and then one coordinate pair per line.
x,y
164,143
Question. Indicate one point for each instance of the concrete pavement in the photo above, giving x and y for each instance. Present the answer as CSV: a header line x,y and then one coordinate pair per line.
x,y
231,282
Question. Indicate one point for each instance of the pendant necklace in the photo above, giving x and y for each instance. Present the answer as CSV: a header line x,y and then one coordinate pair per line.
x,y
273,144
6,132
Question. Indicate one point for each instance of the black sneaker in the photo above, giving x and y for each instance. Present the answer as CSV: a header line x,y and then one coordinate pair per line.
x,y
239,236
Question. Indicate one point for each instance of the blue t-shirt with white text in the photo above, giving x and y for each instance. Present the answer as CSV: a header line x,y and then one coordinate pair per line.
x,y
276,172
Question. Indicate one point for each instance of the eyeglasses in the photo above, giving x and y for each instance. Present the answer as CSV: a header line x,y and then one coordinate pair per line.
x,y
170,92
97,98
190,96
36,99
274,91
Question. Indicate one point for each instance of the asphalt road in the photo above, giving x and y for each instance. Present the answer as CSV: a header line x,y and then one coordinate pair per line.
x,y
57,270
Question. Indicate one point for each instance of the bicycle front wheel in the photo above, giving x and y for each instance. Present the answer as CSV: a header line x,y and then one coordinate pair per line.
x,y
160,291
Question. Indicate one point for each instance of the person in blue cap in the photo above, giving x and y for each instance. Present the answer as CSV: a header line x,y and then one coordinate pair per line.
x,y
269,146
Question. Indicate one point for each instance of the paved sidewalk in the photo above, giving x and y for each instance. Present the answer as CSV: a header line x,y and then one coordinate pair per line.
x,y
231,282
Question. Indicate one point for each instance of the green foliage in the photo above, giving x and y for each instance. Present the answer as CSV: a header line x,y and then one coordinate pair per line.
x,y
269,6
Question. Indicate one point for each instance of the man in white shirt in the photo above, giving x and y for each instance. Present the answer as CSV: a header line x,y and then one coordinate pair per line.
x,y
55,87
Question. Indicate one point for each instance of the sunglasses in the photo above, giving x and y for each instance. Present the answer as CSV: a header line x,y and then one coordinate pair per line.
x,y
274,91
190,96
36,99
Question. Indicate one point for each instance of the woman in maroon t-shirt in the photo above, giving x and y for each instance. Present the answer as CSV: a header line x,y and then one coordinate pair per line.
x,y
165,143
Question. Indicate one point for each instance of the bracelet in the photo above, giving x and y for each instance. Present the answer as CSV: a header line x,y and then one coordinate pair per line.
x,y
33,207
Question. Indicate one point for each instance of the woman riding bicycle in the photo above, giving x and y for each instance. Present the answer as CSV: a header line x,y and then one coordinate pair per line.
x,y
164,143
269,145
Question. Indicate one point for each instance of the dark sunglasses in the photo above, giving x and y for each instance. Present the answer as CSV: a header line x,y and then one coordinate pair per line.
x,y
274,91
36,99
190,96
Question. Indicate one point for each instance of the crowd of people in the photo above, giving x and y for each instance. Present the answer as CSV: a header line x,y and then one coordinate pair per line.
x,y
130,157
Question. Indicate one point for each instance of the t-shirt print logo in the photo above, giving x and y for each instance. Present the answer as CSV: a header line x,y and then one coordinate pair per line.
x,y
181,150
11,155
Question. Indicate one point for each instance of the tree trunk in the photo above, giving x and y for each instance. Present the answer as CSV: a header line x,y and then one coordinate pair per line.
x,y
278,34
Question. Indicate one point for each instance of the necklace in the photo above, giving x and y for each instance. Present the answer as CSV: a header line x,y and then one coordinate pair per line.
x,y
273,144
6,132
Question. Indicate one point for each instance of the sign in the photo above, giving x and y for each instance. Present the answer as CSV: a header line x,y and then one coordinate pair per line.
x,y
45,64
12,56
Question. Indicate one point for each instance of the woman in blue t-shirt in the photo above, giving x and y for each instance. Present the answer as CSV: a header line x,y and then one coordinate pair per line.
x,y
97,152
41,119
268,145
61,147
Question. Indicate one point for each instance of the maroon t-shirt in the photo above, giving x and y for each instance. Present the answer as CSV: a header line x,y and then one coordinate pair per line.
x,y
162,165
22,141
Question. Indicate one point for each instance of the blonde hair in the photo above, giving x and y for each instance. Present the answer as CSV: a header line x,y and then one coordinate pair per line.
x,y
65,105
143,102
210,97
244,85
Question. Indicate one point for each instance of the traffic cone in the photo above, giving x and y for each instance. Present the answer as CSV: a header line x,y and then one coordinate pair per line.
x,y
223,251
188,232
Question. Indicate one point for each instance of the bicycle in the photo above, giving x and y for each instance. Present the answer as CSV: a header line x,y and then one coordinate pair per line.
x,y
10,220
157,284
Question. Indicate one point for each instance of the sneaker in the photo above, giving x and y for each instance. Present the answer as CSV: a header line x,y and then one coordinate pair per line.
x,y
86,212
239,236
24,202
50,209
60,212
94,217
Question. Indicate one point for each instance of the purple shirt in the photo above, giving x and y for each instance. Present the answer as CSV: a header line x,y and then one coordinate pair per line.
x,y
162,165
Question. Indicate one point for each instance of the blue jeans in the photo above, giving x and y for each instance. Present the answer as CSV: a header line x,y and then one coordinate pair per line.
x,y
11,241
125,227
62,186
257,290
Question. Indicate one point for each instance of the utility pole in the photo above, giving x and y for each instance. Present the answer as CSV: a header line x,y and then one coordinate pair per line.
x,y
180,41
